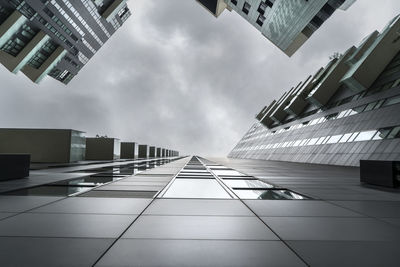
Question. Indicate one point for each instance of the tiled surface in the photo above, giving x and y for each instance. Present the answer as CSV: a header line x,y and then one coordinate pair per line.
x,y
138,252
23,203
200,227
294,208
65,225
347,253
317,228
204,207
373,208
96,205
5,215
29,251
346,225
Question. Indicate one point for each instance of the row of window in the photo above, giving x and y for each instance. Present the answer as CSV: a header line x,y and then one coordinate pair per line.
x,y
95,14
261,9
82,21
61,24
338,115
384,133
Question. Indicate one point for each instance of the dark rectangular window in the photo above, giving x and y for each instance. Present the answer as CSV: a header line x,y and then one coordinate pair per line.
x,y
260,20
270,3
246,8
234,2
261,9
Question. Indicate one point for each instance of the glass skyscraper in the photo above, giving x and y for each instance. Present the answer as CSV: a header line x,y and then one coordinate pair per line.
x,y
56,37
287,24
344,113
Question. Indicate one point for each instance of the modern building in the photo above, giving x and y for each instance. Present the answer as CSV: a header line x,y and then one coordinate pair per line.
x,y
44,145
56,37
197,211
344,113
102,148
287,24
129,150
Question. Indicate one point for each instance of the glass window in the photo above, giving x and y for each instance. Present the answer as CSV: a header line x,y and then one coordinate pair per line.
x,y
227,173
325,140
247,184
334,139
342,114
391,101
394,133
196,188
313,141
345,138
370,106
297,143
320,140
268,194
353,136
382,134
365,136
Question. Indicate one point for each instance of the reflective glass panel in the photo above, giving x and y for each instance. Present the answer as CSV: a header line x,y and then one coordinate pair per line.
x,y
394,133
334,139
247,184
365,136
227,173
49,191
196,188
268,194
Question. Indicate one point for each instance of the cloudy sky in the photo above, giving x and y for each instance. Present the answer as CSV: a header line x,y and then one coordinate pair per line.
x,y
175,76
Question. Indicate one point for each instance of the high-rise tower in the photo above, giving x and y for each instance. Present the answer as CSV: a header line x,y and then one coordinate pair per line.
x,y
56,37
344,113
287,24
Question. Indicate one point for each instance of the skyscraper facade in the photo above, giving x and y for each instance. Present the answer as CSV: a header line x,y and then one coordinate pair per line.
x,y
287,24
56,37
194,211
344,113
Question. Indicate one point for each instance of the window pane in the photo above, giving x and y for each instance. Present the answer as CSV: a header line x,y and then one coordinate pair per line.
x,y
391,101
365,136
334,139
268,194
196,188
227,173
247,184
394,133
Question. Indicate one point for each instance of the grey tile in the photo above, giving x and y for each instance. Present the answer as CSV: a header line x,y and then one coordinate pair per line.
x,y
393,221
65,225
97,205
132,252
28,251
23,203
323,228
347,253
301,208
5,215
198,207
199,227
373,208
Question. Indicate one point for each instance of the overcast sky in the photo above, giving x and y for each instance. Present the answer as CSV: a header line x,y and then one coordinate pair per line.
x,y
174,76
